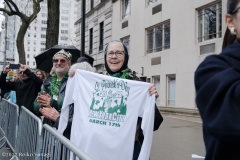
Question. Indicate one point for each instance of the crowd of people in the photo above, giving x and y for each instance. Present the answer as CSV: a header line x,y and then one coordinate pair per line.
x,y
44,96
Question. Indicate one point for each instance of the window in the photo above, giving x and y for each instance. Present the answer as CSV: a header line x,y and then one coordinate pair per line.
x,y
101,36
65,5
64,18
28,49
35,28
34,42
125,8
34,49
64,38
27,55
28,41
43,35
44,8
42,49
29,27
91,40
126,42
210,22
43,28
152,1
92,4
171,89
44,22
43,42
64,25
35,35
34,63
64,31
65,11
28,34
27,62
44,14
158,38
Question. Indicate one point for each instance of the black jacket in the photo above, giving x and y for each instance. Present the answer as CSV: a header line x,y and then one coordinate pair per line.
x,y
26,90
217,82
67,131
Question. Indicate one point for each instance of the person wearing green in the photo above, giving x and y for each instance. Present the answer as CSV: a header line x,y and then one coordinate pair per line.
x,y
53,91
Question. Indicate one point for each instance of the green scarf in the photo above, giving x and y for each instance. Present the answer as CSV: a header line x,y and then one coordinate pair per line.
x,y
55,85
124,74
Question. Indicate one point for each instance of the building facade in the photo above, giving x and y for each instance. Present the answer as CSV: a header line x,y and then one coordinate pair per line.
x,y
98,29
35,37
167,40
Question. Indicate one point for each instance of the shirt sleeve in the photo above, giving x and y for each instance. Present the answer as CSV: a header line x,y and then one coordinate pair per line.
x,y
147,126
6,85
68,99
217,83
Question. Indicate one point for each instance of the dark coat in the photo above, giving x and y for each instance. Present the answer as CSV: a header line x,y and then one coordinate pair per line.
x,y
67,131
26,90
217,82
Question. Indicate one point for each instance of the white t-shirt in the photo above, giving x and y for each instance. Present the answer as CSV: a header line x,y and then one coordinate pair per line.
x,y
106,110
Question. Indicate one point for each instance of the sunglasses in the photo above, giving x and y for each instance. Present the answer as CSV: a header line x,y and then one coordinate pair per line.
x,y
57,60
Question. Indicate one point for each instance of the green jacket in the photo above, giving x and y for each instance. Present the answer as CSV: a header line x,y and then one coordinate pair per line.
x,y
56,104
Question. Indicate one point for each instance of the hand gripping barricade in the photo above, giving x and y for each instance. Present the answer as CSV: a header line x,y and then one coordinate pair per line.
x,y
29,141
56,146
8,124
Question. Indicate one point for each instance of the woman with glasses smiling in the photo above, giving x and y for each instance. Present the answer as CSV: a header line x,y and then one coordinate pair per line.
x,y
116,64
217,82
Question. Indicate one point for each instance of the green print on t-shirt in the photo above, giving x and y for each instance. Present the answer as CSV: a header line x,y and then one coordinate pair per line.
x,y
109,105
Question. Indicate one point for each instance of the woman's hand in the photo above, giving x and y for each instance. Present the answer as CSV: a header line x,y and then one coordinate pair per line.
x,y
72,72
49,113
44,100
153,90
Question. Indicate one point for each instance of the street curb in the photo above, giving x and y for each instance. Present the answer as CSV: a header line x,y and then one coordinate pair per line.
x,y
179,111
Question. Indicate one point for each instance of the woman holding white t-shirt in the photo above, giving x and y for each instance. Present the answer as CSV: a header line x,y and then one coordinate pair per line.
x,y
116,64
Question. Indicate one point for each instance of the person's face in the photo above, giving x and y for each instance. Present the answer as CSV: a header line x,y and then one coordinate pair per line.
x,y
114,63
23,76
39,74
234,21
61,64
15,77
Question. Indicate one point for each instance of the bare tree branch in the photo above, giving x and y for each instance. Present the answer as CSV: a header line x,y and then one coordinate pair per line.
x,y
14,5
9,6
6,11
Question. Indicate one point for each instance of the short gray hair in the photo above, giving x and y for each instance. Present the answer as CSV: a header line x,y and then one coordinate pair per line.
x,y
83,66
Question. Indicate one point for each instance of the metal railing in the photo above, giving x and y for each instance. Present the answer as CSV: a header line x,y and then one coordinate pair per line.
x,y
56,146
29,141
9,123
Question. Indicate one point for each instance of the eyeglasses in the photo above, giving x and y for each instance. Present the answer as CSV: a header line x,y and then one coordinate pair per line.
x,y
235,10
117,53
57,60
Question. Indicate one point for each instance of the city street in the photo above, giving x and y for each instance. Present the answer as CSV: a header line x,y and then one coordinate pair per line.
x,y
178,138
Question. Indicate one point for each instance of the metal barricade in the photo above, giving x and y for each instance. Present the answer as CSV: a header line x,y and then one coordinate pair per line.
x,y
9,123
29,141
56,146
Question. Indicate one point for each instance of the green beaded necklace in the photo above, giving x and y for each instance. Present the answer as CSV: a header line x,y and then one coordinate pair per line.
x,y
55,85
